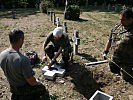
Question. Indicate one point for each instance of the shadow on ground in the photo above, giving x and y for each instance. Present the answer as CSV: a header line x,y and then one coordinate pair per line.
x,y
83,80
87,57
82,20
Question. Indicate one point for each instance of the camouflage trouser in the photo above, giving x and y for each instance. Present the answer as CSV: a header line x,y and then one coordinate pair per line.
x,y
113,67
115,60
65,53
127,72
27,92
124,68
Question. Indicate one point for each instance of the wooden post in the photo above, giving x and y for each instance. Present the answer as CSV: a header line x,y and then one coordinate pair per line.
x,y
95,4
96,63
104,5
13,14
109,7
48,12
51,16
86,4
76,42
57,21
116,7
66,3
65,26
54,18
13,11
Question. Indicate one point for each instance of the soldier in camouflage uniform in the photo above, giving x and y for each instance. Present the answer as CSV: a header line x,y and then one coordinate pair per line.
x,y
121,41
59,43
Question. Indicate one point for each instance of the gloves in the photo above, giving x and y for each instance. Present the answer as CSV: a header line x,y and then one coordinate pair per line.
x,y
105,55
38,82
52,68
44,59
51,62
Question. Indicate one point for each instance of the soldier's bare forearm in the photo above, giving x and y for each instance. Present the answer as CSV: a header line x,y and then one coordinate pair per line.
x,y
58,53
108,45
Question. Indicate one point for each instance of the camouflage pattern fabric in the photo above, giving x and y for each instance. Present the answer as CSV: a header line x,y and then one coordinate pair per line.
x,y
122,48
66,53
50,49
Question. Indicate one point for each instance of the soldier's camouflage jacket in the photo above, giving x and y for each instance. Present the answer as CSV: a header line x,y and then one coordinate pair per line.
x,y
122,43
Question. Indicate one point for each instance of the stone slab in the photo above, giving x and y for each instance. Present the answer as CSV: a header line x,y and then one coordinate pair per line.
x,y
51,74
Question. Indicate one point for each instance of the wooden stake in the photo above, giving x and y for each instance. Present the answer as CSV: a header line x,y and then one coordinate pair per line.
x,y
96,63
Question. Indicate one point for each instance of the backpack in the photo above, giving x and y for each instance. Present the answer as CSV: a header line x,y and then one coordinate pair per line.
x,y
32,56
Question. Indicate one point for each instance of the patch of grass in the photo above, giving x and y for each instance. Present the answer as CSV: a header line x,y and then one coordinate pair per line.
x,y
76,58
93,32
4,12
54,97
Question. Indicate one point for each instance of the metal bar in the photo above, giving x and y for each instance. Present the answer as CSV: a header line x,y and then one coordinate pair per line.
x,y
96,63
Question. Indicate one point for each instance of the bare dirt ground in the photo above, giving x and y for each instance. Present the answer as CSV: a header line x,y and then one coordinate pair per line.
x,y
80,82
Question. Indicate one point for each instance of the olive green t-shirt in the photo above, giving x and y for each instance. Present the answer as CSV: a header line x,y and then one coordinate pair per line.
x,y
63,42
16,67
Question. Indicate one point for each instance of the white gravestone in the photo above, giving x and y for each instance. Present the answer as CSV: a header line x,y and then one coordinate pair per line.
x,y
51,74
57,21
98,95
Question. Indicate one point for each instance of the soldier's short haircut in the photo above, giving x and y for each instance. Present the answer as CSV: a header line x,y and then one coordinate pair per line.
x,y
128,13
15,35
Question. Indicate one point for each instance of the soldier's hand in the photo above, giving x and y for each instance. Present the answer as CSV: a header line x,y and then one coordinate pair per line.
x,y
51,63
44,59
38,82
105,55
53,68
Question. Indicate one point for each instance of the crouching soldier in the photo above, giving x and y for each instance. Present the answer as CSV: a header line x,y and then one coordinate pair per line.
x,y
18,71
59,43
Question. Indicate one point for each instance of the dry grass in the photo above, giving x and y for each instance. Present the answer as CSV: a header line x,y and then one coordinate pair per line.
x,y
80,83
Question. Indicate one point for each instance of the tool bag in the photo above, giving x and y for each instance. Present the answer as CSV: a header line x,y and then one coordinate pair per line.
x,y
32,56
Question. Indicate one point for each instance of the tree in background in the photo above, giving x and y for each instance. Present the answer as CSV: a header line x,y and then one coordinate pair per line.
x,y
45,4
32,3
